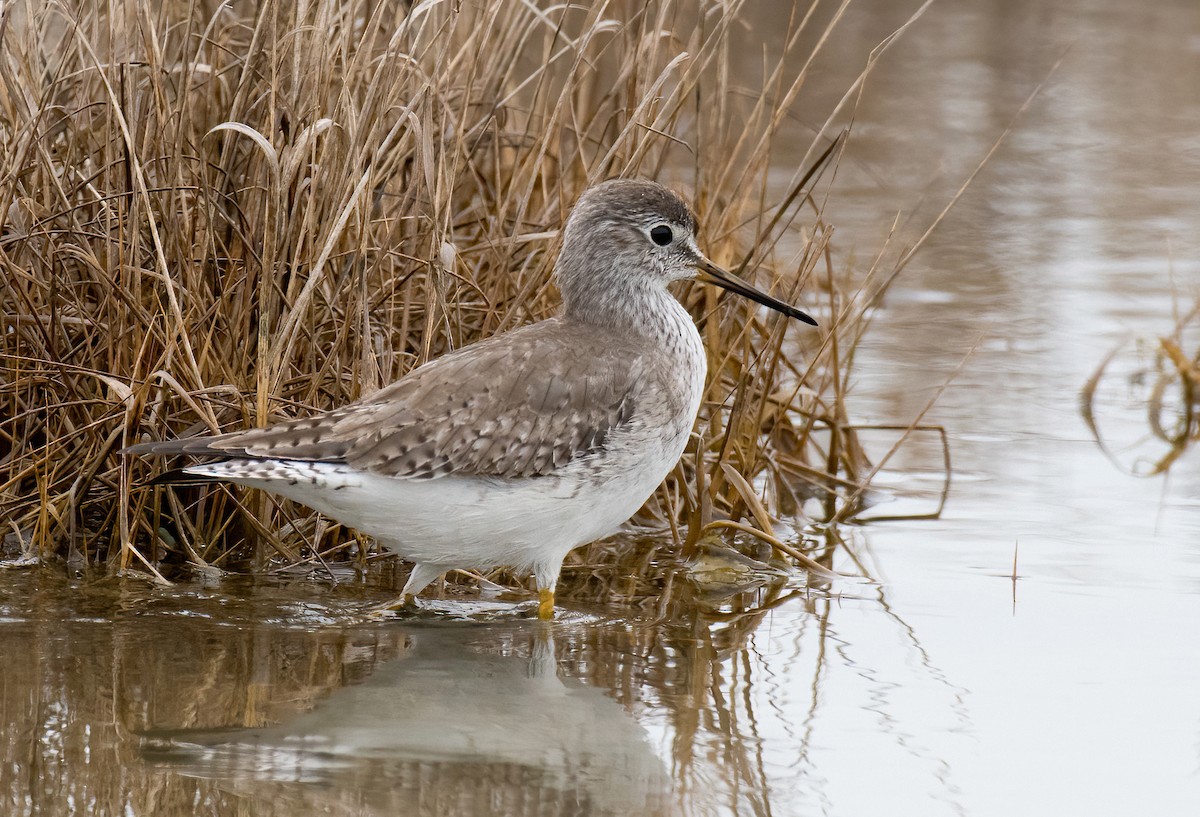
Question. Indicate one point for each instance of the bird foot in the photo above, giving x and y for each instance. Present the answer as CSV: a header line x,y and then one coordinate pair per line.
x,y
406,604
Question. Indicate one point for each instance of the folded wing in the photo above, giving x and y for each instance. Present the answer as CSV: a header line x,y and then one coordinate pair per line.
x,y
519,405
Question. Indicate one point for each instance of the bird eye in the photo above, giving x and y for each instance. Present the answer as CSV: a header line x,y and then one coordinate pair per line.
x,y
661,235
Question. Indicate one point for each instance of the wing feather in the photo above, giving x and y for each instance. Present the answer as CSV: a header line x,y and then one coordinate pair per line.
x,y
522,404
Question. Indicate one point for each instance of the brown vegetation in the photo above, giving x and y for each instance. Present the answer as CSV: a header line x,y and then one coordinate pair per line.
x,y
213,215
1163,383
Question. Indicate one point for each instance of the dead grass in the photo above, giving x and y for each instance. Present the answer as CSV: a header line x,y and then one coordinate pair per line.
x,y
214,215
1164,384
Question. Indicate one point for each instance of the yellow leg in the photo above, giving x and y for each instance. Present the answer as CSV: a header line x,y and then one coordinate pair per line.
x,y
545,603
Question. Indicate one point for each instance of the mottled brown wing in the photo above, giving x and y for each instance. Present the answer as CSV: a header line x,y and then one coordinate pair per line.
x,y
519,405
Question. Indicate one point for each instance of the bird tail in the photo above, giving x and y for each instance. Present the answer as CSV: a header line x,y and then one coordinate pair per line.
x,y
185,445
181,476
176,476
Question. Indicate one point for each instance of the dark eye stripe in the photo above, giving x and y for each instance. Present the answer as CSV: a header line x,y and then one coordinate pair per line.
x,y
661,235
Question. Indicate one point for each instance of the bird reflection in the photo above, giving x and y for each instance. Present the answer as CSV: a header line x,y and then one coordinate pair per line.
x,y
470,720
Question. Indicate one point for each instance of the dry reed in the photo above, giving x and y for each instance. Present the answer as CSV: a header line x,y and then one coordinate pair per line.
x,y
213,215
1167,383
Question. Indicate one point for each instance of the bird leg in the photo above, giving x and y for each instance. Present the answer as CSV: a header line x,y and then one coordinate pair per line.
x,y
545,603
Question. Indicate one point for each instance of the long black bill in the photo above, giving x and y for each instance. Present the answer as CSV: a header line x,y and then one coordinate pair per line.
x,y
710,273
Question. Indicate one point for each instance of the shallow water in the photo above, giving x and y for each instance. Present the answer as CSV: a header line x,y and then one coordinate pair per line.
x,y
943,686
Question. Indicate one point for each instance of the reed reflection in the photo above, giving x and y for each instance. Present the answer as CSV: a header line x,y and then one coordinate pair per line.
x,y
757,690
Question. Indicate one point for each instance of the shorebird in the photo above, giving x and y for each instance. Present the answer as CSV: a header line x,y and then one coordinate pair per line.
x,y
518,448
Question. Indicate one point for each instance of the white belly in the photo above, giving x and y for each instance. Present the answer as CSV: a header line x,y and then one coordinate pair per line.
x,y
473,522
